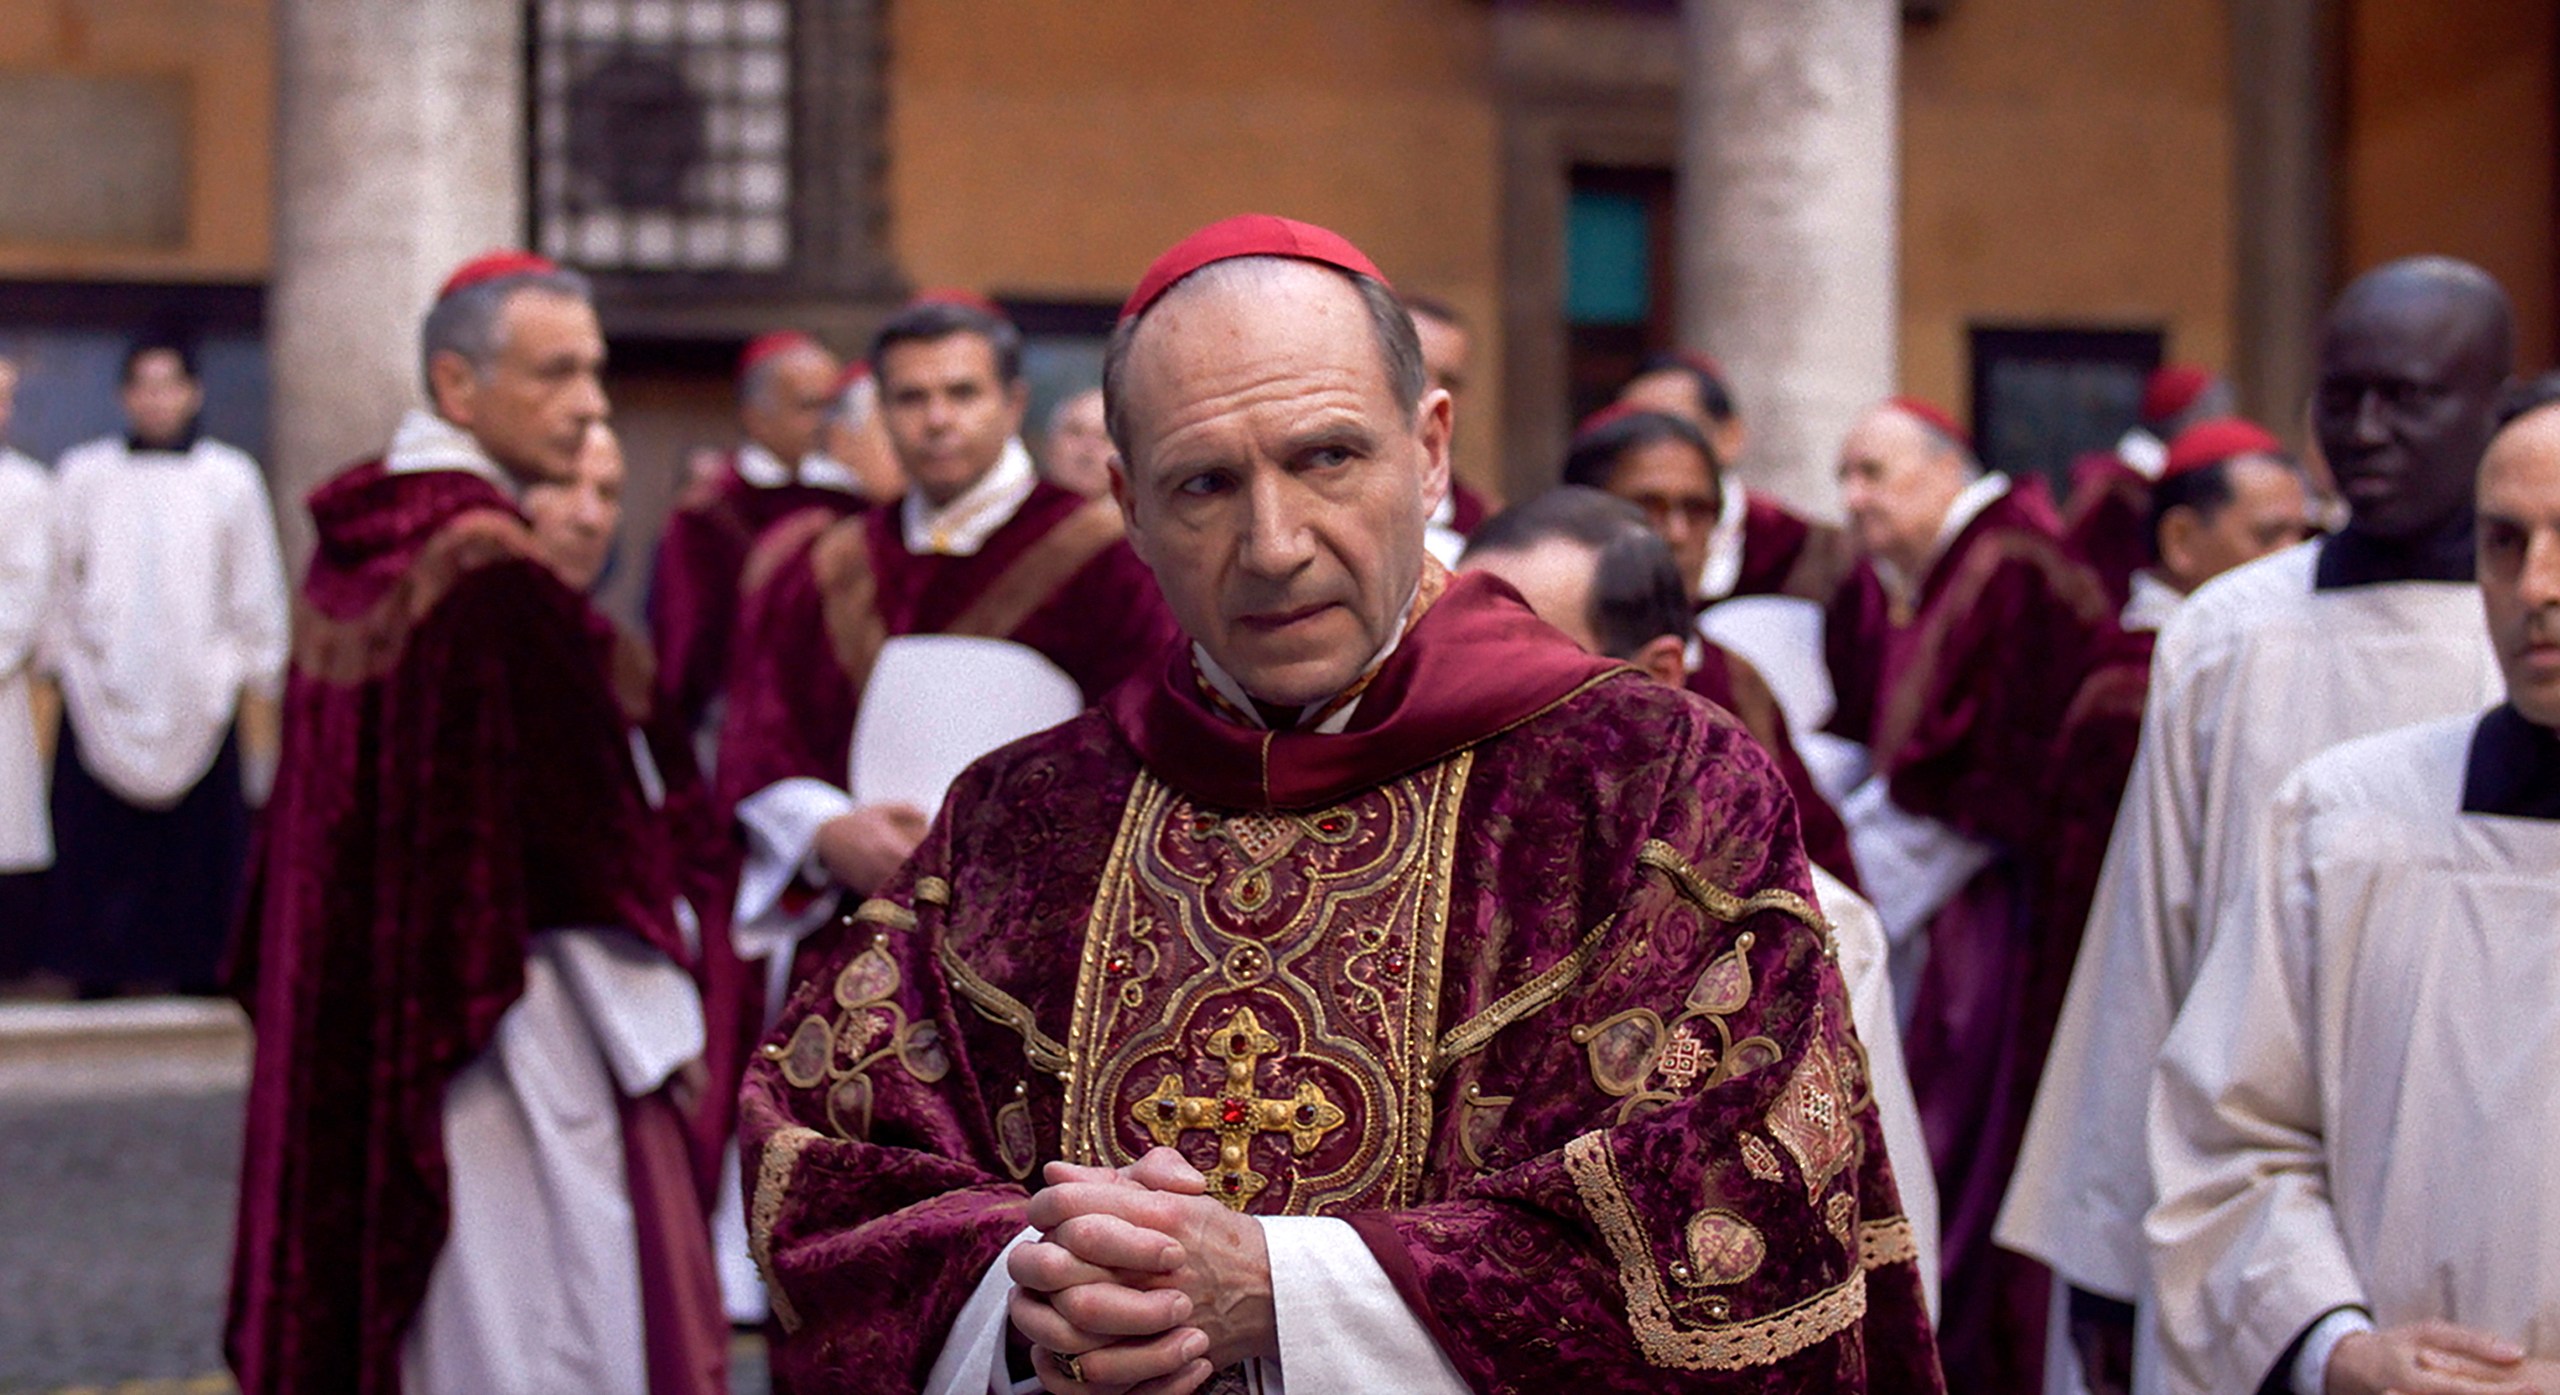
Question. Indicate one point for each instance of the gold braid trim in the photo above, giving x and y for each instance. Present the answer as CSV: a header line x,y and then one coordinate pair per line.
x,y
881,911
1542,991
997,1006
1888,1241
1472,1035
773,1180
1734,1347
1723,904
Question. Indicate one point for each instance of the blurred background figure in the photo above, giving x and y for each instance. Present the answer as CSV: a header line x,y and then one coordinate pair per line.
x,y
1075,453
1755,546
576,520
168,632
856,439
1446,350
787,389
26,833
2107,521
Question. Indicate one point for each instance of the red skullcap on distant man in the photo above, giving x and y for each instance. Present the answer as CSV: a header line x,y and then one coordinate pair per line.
x,y
2171,389
496,266
2209,443
765,347
1937,418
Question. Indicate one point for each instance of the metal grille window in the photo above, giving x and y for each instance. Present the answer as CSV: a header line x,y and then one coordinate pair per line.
x,y
662,134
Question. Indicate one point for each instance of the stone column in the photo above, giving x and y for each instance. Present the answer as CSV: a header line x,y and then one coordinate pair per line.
x,y
2285,98
1788,191
400,153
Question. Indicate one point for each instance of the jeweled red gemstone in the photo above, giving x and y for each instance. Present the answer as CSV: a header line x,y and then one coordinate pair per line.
x,y
1232,1182
1166,1109
1231,1111
1239,1043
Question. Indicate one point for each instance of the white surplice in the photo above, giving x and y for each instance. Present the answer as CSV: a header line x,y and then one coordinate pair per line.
x,y
1857,935
26,577
2256,672
537,1289
2357,1104
168,605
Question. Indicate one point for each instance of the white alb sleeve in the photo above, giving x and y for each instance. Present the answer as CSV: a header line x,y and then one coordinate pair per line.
x,y
781,822
643,1007
1911,864
972,1360
1343,1327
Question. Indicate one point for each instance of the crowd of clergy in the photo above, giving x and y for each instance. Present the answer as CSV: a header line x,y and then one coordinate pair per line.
x,y
2015,940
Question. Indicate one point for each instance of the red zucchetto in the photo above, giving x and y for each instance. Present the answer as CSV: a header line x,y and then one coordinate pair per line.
x,y
493,266
1247,235
2209,443
1937,418
771,346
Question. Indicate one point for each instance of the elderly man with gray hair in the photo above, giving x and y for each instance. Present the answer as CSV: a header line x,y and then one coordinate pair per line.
x,y
465,1168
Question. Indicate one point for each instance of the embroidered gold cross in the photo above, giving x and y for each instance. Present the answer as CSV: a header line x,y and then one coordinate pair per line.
x,y
1683,1057
1235,1114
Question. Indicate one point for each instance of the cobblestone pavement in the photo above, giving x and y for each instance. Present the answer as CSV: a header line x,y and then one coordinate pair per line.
x,y
115,1243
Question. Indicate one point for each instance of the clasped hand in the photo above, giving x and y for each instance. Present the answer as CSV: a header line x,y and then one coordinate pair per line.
x,y
1139,1276
2434,1357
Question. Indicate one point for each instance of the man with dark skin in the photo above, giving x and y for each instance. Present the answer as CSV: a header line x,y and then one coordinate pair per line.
x,y
2376,627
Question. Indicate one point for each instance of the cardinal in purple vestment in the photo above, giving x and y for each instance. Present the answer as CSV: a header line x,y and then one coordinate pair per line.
x,y
1957,647
1379,988
457,801
786,390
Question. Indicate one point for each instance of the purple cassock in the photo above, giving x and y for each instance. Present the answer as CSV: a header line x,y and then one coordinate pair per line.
x,y
1518,975
822,596
457,775
1960,700
693,588
1784,554
2108,521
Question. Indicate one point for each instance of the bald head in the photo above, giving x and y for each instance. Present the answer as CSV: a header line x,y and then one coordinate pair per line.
x,y
1899,476
2412,360
1279,457
784,398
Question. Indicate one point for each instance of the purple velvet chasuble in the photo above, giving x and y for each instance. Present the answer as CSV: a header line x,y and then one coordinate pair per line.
x,y
1518,975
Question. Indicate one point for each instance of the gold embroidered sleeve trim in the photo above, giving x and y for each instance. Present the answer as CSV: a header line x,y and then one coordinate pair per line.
x,y
1476,1032
773,1183
933,891
877,911
1728,1347
1888,1241
996,1005
1723,904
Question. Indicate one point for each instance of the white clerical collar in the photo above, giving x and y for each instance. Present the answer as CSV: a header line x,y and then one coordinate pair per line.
x,y
1445,513
425,441
1335,721
2146,453
1723,570
1968,506
763,469
2150,603
961,527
